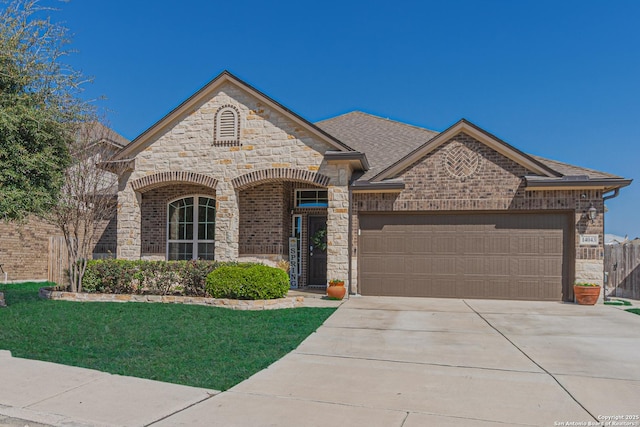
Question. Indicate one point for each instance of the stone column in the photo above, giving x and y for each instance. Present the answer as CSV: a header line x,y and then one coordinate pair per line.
x,y
129,216
338,224
589,266
227,223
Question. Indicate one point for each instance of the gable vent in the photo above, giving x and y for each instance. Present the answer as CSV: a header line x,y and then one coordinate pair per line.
x,y
227,126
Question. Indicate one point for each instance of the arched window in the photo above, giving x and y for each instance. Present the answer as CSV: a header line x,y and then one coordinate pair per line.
x,y
227,130
191,228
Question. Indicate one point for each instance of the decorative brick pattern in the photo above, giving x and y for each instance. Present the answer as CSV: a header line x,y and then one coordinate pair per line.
x,y
155,180
279,174
461,161
497,185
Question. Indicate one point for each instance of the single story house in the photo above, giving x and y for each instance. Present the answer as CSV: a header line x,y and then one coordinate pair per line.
x,y
390,208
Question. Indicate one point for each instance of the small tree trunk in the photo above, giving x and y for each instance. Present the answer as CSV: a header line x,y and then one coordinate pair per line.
x,y
87,197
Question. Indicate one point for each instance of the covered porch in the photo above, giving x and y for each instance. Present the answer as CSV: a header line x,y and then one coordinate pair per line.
x,y
266,216
285,219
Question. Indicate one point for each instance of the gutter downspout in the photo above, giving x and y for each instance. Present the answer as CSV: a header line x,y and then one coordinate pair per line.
x,y
616,192
605,277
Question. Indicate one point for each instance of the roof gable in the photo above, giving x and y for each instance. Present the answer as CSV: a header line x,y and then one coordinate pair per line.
x,y
479,134
225,77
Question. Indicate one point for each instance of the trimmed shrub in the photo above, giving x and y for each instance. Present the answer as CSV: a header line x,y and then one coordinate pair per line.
x,y
116,276
248,281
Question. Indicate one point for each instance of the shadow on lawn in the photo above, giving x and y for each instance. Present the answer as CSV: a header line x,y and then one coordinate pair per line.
x,y
22,293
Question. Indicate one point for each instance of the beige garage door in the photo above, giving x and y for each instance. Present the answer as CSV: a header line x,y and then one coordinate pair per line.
x,y
501,256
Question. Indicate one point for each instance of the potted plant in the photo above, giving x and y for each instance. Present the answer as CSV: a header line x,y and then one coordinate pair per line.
x,y
336,289
586,293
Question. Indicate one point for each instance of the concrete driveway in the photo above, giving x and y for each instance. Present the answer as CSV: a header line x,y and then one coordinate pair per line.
x,y
415,362
379,362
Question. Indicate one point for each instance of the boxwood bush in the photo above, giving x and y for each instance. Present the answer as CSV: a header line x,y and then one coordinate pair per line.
x,y
118,276
247,281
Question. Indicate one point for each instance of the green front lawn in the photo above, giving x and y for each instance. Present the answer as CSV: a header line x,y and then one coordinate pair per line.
x,y
199,346
634,310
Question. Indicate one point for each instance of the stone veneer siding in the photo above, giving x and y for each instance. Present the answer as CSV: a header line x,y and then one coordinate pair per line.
x,y
496,185
268,140
269,304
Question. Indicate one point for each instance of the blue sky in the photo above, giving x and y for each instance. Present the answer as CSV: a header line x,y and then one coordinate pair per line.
x,y
559,79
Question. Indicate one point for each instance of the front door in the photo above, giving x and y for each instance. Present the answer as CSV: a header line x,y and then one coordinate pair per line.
x,y
317,233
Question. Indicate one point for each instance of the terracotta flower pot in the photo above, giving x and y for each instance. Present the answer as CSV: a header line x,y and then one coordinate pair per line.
x,y
586,295
336,292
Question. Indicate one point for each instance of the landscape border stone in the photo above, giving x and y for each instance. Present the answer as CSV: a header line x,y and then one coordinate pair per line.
x,y
270,304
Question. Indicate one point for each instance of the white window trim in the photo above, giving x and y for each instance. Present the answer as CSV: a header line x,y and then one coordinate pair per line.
x,y
194,241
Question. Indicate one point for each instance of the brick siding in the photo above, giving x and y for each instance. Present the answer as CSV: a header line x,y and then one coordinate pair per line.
x,y
264,224
24,248
153,226
496,184
266,221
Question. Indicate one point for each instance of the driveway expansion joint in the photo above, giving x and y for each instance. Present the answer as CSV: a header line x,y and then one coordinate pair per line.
x,y
327,402
467,419
404,311
399,329
406,362
53,396
404,420
534,362
210,395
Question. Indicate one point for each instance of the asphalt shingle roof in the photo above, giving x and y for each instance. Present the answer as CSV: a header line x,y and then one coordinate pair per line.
x,y
568,170
383,141
386,141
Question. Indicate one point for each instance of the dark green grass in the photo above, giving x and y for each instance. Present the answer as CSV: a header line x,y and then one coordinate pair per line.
x,y
634,310
617,302
198,346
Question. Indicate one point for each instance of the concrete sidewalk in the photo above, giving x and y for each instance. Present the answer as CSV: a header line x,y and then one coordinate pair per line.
x,y
53,394
379,362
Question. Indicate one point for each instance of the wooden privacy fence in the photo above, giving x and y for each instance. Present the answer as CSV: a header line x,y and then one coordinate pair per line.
x,y
58,268
622,264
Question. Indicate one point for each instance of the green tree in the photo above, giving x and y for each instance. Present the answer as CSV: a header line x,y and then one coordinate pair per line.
x,y
40,108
